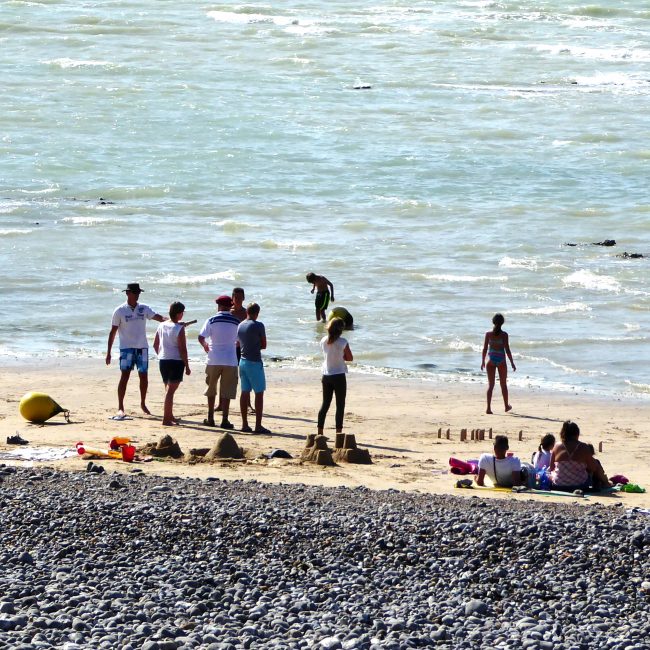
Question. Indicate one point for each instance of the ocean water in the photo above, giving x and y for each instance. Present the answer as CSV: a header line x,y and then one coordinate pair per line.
x,y
432,159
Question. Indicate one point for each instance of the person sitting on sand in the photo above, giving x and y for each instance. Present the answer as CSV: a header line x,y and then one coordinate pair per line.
x,y
170,345
571,462
501,469
496,346
595,483
542,457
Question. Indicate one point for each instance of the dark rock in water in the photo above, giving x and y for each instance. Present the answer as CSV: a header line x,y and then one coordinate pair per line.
x,y
631,256
605,242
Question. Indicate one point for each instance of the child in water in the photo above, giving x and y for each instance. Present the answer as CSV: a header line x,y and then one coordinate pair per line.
x,y
496,347
324,291
542,457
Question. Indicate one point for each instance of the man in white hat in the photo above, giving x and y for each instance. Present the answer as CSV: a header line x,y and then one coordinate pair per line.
x,y
130,320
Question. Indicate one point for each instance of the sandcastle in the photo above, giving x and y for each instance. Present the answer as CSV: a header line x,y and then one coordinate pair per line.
x,y
345,450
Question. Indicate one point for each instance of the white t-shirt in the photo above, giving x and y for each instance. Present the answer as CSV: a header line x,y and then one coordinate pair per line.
x,y
333,362
542,459
132,325
221,333
504,467
168,334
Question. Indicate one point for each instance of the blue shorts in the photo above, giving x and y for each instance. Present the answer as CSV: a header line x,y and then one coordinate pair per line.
x,y
134,358
252,376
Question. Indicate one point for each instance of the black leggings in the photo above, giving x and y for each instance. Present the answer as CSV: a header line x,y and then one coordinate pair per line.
x,y
333,385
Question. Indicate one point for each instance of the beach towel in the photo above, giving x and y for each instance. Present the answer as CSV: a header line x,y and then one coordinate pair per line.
x,y
38,453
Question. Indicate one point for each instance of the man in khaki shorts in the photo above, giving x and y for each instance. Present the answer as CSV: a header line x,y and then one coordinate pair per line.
x,y
219,339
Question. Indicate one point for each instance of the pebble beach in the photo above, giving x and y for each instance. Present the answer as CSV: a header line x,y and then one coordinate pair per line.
x,y
106,560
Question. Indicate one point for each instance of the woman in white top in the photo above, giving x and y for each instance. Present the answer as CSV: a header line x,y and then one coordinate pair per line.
x,y
170,345
336,352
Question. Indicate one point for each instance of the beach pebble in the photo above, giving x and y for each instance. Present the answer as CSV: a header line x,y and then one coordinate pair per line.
x,y
179,564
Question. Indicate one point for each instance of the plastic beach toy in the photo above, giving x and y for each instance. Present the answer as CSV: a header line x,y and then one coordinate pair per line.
x,y
632,487
128,453
39,407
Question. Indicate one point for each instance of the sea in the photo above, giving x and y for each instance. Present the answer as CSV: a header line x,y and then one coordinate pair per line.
x,y
438,161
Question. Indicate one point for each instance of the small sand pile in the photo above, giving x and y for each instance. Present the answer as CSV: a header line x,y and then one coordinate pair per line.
x,y
166,447
225,447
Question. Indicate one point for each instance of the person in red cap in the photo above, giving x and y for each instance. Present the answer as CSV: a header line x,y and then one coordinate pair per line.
x,y
218,337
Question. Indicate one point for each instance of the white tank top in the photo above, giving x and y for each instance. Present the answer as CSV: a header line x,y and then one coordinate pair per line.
x,y
333,362
168,332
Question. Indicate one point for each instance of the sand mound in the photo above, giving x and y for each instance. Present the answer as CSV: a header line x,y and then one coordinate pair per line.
x,y
166,447
225,447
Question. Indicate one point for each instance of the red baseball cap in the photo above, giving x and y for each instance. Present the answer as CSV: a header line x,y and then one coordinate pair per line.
x,y
224,300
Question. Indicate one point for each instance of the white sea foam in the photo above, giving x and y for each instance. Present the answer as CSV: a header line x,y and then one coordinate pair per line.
x,y
14,231
66,63
464,346
87,221
523,263
596,53
553,309
638,387
620,80
192,280
447,277
238,18
232,225
288,245
592,281
562,367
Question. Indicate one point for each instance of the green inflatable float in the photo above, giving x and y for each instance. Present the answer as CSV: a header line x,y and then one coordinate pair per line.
x,y
344,315
39,407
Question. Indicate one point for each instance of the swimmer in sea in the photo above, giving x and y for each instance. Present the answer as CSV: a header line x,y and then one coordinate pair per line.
x,y
496,347
324,292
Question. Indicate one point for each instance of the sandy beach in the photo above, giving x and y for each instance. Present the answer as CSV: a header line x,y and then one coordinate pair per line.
x,y
397,420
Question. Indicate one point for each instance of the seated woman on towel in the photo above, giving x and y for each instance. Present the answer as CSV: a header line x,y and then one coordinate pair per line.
x,y
572,462
502,470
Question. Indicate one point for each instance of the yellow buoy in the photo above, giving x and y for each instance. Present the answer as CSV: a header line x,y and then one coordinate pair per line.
x,y
38,407
344,315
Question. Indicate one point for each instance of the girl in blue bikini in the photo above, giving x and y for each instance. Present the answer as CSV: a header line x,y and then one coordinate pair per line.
x,y
496,347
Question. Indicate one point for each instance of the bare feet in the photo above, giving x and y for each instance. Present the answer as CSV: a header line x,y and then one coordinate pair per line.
x,y
508,408
169,423
144,408
489,411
